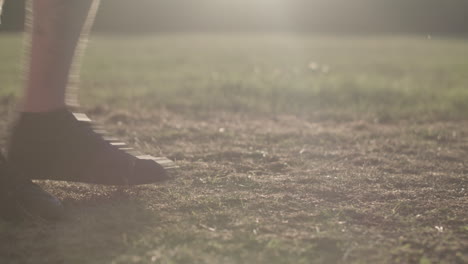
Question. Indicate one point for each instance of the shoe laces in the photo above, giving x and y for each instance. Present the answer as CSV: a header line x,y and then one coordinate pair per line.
x,y
82,126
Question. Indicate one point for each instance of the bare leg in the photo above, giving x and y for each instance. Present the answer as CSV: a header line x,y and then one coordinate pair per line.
x,y
57,32
55,36
49,141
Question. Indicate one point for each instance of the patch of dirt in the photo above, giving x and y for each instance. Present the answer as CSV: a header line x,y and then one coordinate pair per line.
x,y
394,192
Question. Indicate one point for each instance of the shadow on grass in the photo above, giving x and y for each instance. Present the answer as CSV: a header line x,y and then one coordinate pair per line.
x,y
94,230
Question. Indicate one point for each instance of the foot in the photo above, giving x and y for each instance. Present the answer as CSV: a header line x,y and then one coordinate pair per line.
x,y
61,145
21,198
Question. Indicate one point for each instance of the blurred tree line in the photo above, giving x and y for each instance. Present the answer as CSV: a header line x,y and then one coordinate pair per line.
x,y
340,16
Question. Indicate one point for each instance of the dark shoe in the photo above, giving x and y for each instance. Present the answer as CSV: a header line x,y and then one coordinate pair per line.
x,y
20,198
61,145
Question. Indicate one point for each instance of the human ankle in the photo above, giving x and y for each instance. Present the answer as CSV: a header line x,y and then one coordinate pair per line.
x,y
41,108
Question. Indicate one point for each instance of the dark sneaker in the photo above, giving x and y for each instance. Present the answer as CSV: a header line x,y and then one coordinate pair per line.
x,y
61,145
20,198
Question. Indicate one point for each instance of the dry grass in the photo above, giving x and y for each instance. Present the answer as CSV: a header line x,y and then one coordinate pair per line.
x,y
261,187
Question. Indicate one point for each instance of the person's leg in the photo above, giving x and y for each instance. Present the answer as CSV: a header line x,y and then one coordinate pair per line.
x,y
57,29
20,197
48,140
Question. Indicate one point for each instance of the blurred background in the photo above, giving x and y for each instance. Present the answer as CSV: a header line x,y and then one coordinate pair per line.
x,y
332,59
314,16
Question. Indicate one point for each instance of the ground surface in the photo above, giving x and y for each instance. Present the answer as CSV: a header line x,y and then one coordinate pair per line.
x,y
291,149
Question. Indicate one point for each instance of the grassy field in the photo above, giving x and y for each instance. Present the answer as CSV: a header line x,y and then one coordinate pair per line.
x,y
292,149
